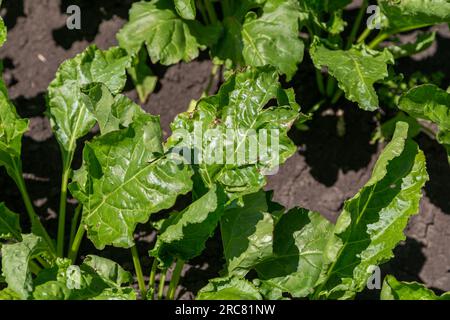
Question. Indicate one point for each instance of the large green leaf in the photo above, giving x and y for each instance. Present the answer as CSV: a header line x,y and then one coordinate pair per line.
x,y
430,103
356,70
299,241
396,290
372,222
237,116
112,113
404,15
124,179
169,38
247,233
272,39
97,278
230,288
9,224
15,263
183,234
69,116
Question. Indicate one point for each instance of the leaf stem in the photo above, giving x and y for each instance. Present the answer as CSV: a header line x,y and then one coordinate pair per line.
x,y
357,24
380,38
74,223
201,8
175,279
337,96
73,251
151,282
139,274
62,209
364,35
35,221
162,283
211,12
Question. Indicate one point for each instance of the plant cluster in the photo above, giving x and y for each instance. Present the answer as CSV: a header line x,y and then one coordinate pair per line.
x,y
129,175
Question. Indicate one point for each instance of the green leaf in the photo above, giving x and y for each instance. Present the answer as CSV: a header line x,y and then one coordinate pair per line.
x,y
247,233
8,294
356,70
3,32
430,103
299,241
272,39
97,278
224,127
9,224
111,113
422,43
124,179
230,288
396,290
169,38
387,129
143,78
186,9
69,116
372,222
15,263
12,128
183,235
404,15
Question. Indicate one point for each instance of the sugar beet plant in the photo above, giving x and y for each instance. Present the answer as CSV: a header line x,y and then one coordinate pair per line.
x,y
130,176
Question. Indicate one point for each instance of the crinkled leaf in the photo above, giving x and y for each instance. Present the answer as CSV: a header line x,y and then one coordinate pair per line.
x,y
272,39
423,42
237,116
15,263
186,9
97,278
397,290
124,179
169,38
69,116
184,234
404,15
299,241
247,233
111,113
356,70
8,294
372,222
9,224
230,288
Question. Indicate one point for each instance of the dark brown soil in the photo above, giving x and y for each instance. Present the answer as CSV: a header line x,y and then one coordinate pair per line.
x,y
326,171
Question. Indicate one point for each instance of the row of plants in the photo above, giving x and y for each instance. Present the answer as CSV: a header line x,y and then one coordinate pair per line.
x,y
130,175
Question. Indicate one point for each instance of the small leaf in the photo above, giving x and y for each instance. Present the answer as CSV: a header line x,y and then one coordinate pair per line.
x,y
143,78
396,290
184,234
169,39
356,70
15,263
229,289
9,224
422,43
186,9
299,242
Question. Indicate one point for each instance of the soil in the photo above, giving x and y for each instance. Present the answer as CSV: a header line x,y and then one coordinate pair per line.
x,y
326,171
